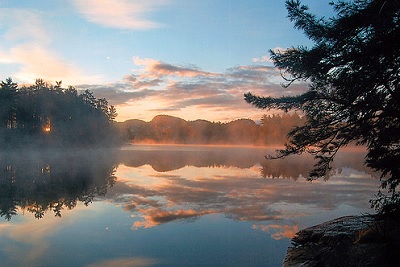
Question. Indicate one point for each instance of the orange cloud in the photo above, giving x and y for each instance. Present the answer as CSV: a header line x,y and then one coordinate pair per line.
x,y
154,217
279,231
39,62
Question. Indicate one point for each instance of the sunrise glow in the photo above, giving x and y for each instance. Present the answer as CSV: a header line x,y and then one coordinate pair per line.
x,y
145,60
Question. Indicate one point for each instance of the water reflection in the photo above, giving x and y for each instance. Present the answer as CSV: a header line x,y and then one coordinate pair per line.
x,y
43,181
168,158
167,206
295,167
159,186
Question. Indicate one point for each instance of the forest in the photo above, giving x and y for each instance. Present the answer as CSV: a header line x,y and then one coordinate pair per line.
x,y
272,130
43,115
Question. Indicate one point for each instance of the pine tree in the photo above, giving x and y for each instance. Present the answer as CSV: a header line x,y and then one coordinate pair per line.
x,y
353,71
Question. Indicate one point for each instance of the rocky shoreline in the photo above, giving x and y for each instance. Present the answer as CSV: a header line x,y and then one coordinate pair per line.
x,y
347,241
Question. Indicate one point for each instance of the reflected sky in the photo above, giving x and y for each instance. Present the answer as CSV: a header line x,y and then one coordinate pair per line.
x,y
184,205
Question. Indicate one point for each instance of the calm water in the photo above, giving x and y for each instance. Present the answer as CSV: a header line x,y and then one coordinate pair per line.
x,y
167,205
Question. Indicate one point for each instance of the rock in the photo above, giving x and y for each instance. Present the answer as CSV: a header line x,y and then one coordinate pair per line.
x,y
346,241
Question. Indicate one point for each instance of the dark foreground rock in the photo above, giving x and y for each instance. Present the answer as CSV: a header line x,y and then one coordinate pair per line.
x,y
347,241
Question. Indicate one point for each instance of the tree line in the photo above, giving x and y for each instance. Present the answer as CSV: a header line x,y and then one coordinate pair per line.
x,y
165,129
49,115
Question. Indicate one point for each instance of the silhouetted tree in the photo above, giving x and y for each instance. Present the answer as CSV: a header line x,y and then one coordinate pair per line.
x,y
8,108
354,93
47,115
112,113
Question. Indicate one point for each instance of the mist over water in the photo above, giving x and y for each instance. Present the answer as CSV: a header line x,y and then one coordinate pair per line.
x,y
167,205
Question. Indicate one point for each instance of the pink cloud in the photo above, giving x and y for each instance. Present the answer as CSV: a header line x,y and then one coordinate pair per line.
x,y
39,62
157,69
124,14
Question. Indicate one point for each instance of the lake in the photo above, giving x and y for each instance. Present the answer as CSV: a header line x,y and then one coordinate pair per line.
x,y
159,205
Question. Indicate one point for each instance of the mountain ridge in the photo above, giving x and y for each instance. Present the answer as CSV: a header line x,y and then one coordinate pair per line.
x,y
174,130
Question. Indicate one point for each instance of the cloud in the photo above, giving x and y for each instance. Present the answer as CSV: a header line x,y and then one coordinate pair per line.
x,y
267,58
157,87
123,14
116,93
26,47
157,69
24,25
39,62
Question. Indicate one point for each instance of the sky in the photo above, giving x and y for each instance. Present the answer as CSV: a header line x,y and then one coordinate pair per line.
x,y
186,58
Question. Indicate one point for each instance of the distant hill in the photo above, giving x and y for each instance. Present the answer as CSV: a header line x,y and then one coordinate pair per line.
x,y
164,129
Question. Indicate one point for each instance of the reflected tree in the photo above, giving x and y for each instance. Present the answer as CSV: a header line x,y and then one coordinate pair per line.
x,y
53,180
300,166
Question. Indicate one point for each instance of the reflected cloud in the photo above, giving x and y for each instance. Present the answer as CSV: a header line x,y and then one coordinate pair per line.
x,y
168,158
155,217
125,262
224,183
278,231
26,242
28,238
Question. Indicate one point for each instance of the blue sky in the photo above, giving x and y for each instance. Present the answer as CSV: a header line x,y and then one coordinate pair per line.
x,y
188,58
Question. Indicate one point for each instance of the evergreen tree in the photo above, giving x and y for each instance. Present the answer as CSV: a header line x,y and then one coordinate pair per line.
x,y
354,92
47,115
8,92
112,113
